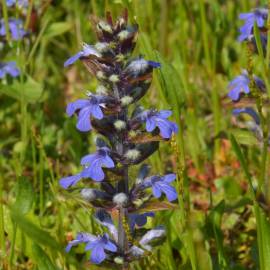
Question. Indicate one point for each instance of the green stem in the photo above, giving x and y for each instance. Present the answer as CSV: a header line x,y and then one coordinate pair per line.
x,y
5,15
29,12
13,244
41,180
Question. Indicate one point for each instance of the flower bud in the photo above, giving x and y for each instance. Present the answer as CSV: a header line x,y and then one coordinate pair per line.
x,y
132,154
126,100
120,199
114,78
120,125
88,194
119,260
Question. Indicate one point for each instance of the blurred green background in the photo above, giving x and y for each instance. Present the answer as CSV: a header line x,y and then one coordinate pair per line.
x,y
196,42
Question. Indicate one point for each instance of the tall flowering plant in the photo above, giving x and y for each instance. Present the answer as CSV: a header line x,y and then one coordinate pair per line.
x,y
250,94
129,134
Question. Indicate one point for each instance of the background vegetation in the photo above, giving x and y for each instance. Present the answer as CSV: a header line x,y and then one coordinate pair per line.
x,y
196,42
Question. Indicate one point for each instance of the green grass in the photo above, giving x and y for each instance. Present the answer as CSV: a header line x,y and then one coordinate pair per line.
x,y
221,222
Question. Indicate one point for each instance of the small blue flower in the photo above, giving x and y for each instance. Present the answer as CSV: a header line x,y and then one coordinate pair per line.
x,y
250,111
161,184
87,107
159,119
94,162
15,27
139,219
86,51
254,125
97,244
69,181
240,84
9,68
258,15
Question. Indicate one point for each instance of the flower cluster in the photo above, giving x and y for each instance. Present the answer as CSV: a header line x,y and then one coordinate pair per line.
x,y
113,112
248,84
16,31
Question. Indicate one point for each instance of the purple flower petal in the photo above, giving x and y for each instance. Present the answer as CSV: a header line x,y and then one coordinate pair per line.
x,y
108,162
76,105
72,244
150,125
110,246
98,255
73,59
168,178
84,123
154,64
66,182
155,119
97,112
164,113
170,192
88,159
156,191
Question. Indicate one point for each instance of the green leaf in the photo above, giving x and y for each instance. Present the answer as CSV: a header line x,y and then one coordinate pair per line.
x,y
216,219
30,91
242,160
42,259
24,196
245,137
56,29
34,232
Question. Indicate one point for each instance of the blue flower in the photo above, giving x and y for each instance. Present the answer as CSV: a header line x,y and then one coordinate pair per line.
x,y
9,68
87,107
254,125
258,15
97,244
140,65
15,27
159,119
68,181
250,112
161,184
86,51
240,84
139,219
94,162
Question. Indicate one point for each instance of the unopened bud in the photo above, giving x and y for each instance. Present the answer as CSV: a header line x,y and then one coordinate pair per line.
x,y
132,154
120,125
114,78
120,199
88,194
126,100
119,260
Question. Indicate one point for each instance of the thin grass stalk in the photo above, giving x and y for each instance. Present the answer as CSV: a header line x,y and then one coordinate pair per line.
x,y
210,71
5,16
183,182
2,224
29,13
